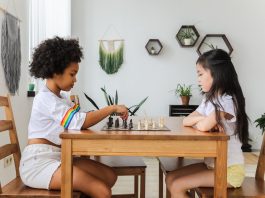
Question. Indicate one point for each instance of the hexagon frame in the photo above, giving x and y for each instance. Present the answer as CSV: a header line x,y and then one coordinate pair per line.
x,y
194,38
156,45
226,41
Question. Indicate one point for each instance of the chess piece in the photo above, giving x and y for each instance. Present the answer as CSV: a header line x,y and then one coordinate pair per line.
x,y
146,125
154,124
125,124
139,125
130,124
117,123
110,123
161,122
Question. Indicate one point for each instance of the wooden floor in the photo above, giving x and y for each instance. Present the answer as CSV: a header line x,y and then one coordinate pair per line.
x,y
125,184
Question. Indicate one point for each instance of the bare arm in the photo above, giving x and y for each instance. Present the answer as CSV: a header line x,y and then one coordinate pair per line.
x,y
94,117
192,119
209,122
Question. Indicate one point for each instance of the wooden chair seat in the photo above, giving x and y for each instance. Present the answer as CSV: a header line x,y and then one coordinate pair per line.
x,y
127,166
250,188
16,188
167,164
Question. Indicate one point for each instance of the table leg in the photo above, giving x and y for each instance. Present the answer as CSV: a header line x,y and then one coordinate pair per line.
x,y
66,169
220,180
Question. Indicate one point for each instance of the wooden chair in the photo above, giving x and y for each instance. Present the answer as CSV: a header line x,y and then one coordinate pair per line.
x,y
251,187
167,164
16,188
127,166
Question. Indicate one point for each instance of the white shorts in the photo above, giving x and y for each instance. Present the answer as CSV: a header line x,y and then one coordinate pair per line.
x,y
38,164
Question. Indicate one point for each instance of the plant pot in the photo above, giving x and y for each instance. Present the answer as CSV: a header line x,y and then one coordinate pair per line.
x,y
185,100
187,41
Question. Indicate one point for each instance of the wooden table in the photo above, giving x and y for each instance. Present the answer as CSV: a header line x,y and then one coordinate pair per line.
x,y
180,141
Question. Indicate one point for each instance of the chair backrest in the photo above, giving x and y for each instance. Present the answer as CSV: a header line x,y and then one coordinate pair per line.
x,y
9,125
261,162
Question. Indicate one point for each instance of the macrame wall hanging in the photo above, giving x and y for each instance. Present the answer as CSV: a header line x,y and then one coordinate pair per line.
x,y
10,51
111,54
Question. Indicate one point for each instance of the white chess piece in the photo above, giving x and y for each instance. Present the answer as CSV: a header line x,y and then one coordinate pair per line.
x,y
139,125
146,125
154,124
162,122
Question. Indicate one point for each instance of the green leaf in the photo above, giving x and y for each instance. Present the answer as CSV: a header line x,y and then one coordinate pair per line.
x,y
116,98
92,101
261,122
106,95
110,100
138,106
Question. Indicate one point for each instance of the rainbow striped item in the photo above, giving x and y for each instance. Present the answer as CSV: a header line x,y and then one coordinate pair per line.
x,y
69,116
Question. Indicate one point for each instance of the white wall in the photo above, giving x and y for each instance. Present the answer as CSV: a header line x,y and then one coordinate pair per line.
x,y
20,103
143,75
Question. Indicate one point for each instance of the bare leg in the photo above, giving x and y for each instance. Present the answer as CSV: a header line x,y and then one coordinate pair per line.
x,y
97,169
185,178
91,181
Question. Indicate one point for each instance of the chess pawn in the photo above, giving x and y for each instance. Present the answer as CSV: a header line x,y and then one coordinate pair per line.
x,y
154,124
161,122
130,124
110,123
146,125
117,123
139,125
125,124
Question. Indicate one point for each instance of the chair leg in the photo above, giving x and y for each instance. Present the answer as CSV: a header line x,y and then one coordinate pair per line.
x,y
136,186
168,195
160,182
142,191
192,193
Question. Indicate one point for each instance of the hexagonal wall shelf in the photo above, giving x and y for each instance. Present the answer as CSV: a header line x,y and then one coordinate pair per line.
x,y
187,36
153,47
214,41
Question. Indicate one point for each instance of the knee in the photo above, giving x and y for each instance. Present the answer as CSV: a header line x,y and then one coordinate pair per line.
x,y
112,177
103,191
169,179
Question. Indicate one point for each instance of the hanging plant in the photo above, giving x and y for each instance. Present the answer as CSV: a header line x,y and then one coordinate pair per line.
x,y
110,59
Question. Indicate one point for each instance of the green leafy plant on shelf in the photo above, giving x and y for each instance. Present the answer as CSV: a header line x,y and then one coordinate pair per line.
x,y
186,33
184,91
261,123
110,100
210,45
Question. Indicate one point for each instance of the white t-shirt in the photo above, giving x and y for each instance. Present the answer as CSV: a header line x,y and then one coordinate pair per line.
x,y
51,115
234,154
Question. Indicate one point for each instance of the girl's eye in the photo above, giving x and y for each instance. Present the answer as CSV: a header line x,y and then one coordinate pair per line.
x,y
72,75
199,74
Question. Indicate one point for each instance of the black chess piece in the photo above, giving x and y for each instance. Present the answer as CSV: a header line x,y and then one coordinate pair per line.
x,y
110,123
125,124
117,123
130,124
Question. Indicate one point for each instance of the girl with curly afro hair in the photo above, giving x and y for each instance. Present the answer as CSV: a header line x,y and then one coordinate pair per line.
x,y
57,60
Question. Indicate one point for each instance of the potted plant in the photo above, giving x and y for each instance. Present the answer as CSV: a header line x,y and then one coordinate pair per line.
x,y
186,36
261,123
110,100
184,91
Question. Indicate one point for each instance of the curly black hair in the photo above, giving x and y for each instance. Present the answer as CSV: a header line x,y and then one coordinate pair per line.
x,y
53,56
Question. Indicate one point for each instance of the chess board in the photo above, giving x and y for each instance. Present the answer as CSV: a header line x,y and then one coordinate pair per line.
x,y
135,128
